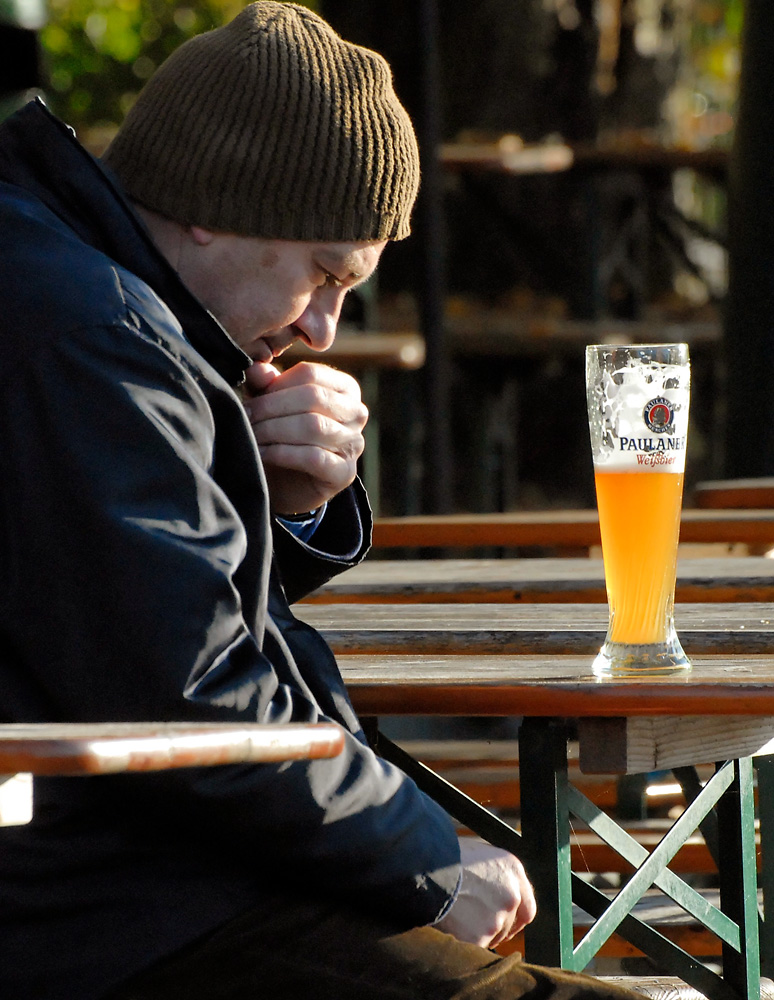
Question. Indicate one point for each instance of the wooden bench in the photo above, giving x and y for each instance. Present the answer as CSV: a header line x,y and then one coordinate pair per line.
x,y
81,749
106,748
669,988
558,529
488,771
737,494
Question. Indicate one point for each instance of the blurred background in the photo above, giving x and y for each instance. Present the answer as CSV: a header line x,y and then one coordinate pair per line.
x,y
593,171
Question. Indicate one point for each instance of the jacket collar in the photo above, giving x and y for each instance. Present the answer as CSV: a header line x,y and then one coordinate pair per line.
x,y
40,153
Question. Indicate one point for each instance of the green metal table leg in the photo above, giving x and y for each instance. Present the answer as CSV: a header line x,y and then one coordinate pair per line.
x,y
738,880
548,801
765,768
692,786
545,821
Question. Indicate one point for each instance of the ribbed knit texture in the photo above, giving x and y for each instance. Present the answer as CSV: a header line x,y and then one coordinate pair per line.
x,y
272,126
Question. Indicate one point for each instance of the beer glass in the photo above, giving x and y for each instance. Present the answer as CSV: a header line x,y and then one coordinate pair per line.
x,y
637,401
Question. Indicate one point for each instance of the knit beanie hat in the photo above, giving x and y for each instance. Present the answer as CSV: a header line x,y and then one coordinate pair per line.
x,y
272,126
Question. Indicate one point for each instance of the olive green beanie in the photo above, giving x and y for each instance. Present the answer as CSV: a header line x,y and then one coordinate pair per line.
x,y
272,126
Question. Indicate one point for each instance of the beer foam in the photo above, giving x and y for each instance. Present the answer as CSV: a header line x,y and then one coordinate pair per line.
x,y
638,418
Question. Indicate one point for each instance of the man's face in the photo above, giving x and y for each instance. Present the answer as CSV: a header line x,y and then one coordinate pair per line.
x,y
268,293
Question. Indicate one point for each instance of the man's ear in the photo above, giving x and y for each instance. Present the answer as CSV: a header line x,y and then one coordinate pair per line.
x,y
201,237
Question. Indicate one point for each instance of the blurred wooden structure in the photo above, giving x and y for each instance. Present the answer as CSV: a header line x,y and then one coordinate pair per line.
x,y
367,350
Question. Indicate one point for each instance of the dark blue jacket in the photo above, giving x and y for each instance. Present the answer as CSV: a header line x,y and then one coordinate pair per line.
x,y
142,578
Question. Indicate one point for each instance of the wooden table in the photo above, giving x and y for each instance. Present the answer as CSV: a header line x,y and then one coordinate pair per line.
x,y
429,629
465,581
722,710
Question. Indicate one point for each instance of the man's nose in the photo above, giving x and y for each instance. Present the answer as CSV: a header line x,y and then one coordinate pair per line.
x,y
319,320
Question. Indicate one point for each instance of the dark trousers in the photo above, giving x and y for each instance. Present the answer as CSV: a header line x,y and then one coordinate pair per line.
x,y
297,950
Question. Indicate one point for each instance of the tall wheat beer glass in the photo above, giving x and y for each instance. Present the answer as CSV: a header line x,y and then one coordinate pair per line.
x,y
638,418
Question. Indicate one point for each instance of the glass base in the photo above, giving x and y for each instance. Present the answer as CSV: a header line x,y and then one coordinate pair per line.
x,y
617,659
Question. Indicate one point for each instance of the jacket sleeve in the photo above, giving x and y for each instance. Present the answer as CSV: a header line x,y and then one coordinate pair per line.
x,y
341,540
121,559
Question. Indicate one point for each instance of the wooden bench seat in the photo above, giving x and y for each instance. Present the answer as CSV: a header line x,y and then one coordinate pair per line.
x,y
85,749
498,790
592,855
489,772
670,988
107,748
735,494
559,529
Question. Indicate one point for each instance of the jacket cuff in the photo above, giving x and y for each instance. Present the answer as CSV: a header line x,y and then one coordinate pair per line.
x,y
341,540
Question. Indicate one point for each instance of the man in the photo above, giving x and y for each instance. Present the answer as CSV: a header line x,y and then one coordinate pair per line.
x,y
167,490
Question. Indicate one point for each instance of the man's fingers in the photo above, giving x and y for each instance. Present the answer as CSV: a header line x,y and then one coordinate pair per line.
x,y
313,373
309,430
312,401
527,909
504,931
308,424
496,899
520,911
318,463
306,375
259,376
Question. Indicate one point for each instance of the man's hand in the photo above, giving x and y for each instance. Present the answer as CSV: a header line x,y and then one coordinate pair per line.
x,y
495,900
308,422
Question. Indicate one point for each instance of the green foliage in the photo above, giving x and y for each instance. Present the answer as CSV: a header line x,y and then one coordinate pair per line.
x,y
99,53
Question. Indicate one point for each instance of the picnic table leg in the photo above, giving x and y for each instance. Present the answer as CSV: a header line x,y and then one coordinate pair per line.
x,y
765,768
545,827
738,880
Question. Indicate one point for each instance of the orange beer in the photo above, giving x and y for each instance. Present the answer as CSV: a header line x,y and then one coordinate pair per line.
x,y
639,519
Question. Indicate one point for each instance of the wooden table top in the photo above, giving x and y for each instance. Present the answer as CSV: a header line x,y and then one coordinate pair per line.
x,y
430,629
533,685
725,579
103,748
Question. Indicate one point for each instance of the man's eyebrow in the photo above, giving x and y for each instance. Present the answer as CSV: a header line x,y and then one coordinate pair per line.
x,y
338,265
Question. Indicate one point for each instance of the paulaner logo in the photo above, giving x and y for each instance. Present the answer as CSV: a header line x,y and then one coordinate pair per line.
x,y
659,415
652,444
